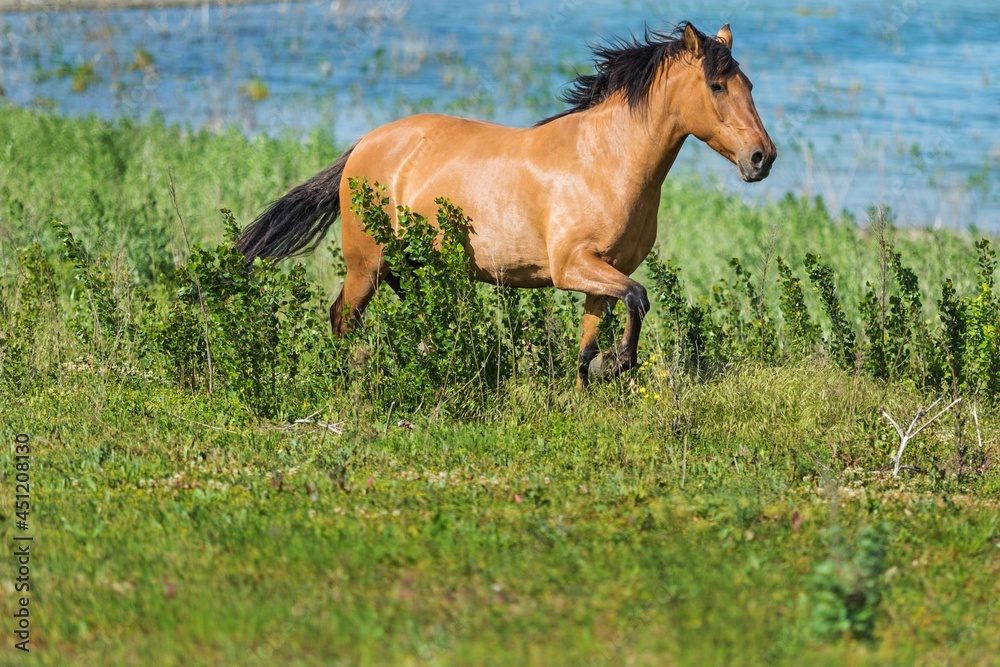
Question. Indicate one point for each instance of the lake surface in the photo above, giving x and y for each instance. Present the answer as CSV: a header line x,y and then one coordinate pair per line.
x,y
896,103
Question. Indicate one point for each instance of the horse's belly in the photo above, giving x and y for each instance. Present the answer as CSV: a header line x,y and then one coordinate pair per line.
x,y
508,254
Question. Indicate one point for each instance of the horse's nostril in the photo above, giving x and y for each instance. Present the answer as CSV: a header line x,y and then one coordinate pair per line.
x,y
757,159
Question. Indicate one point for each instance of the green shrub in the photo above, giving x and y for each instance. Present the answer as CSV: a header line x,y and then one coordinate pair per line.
x,y
250,330
760,340
539,331
802,335
688,335
738,324
842,339
982,327
968,345
449,343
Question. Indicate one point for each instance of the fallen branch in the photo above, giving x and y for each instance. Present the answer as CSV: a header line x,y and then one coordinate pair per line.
x,y
913,430
337,428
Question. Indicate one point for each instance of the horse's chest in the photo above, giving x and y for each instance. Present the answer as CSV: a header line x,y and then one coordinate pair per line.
x,y
636,237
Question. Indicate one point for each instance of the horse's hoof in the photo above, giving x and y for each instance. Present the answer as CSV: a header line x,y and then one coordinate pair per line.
x,y
601,368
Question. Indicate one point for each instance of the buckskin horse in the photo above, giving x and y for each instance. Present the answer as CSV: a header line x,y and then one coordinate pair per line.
x,y
570,202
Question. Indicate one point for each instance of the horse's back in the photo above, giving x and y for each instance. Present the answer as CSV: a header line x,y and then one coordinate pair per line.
x,y
421,146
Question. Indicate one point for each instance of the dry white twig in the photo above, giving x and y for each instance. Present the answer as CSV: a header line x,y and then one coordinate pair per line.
x,y
910,433
337,428
975,419
388,417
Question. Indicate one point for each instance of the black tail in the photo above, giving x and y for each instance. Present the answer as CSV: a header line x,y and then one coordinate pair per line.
x,y
296,223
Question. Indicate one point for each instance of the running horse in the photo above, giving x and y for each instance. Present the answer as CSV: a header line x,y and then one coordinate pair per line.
x,y
570,202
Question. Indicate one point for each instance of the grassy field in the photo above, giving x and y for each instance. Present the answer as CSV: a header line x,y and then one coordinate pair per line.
x,y
730,504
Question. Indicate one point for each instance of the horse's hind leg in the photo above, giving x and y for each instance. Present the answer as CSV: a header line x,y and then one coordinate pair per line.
x,y
592,310
359,288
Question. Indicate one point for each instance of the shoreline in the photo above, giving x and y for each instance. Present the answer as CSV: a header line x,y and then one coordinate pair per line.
x,y
27,6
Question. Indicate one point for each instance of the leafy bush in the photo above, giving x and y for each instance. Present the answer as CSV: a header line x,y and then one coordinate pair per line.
x,y
841,342
892,316
538,328
738,324
449,342
802,335
439,337
688,333
760,340
982,328
259,334
250,330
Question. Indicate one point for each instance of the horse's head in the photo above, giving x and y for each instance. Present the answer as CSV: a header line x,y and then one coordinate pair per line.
x,y
716,106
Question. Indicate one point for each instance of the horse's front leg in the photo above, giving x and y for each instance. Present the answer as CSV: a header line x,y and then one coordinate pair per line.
x,y
599,281
613,363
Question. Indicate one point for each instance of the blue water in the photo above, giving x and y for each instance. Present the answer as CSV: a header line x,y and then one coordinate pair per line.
x,y
896,103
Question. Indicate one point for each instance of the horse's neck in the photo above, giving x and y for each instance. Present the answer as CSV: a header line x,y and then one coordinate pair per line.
x,y
642,143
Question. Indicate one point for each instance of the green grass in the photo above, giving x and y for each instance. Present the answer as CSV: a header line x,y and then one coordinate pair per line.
x,y
172,531
110,183
662,518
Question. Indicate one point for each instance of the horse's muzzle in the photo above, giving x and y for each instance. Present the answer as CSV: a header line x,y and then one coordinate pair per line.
x,y
757,165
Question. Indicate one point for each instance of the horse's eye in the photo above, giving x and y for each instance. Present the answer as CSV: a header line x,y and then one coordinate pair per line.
x,y
717,88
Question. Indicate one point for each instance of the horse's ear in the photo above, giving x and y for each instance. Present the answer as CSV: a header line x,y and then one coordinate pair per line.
x,y
726,36
692,43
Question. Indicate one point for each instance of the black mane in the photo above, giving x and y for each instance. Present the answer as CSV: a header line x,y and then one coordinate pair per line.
x,y
629,65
